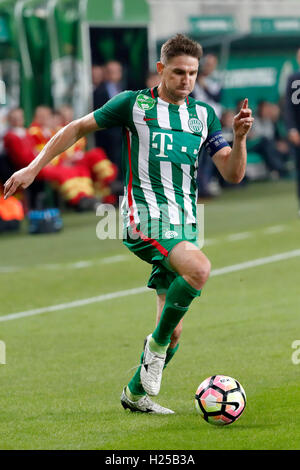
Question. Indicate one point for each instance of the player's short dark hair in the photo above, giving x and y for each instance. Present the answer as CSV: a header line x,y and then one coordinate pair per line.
x,y
180,45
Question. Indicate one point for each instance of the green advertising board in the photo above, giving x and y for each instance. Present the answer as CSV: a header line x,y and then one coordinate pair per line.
x,y
254,65
276,26
10,63
257,77
212,25
118,12
4,33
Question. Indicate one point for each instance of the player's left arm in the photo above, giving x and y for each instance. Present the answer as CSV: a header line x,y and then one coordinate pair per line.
x,y
231,162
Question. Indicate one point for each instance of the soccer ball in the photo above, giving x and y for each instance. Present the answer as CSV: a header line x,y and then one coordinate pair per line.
x,y
220,399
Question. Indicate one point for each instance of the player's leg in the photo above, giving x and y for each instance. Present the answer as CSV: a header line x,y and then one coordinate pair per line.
x,y
174,344
134,396
135,389
193,268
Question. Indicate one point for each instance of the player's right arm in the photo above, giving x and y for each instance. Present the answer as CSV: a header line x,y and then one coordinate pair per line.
x,y
60,142
114,113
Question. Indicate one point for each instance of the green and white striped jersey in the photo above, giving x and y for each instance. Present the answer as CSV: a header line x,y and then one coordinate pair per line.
x,y
160,155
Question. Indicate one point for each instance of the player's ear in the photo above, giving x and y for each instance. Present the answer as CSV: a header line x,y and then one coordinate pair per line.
x,y
159,67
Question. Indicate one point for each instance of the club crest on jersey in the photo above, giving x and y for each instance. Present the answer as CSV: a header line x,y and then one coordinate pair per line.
x,y
195,125
171,234
145,102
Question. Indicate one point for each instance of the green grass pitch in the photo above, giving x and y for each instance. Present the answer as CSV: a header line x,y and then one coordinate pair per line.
x,y
65,369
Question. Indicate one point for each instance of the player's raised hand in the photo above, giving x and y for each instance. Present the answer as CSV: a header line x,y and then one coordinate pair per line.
x,y
20,179
242,122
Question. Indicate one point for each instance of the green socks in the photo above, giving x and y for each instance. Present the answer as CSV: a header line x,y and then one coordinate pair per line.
x,y
178,299
157,348
135,385
170,354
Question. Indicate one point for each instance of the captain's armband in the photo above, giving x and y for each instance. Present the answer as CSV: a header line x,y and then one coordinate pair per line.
x,y
215,142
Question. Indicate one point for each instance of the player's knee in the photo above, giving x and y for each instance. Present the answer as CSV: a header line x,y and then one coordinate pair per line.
x,y
200,273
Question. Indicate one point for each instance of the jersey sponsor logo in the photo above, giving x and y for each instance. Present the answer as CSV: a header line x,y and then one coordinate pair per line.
x,y
163,142
195,125
145,102
171,234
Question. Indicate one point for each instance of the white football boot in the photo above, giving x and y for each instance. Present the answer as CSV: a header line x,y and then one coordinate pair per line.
x,y
144,405
151,369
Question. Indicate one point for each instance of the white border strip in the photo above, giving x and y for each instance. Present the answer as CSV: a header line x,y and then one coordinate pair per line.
x,y
140,290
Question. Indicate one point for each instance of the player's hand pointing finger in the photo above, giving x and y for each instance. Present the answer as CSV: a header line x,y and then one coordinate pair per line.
x,y
20,179
243,121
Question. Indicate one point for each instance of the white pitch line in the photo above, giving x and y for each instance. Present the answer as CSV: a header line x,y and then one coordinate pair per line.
x,y
256,262
119,258
239,236
209,241
274,229
9,269
141,290
75,303
74,265
114,259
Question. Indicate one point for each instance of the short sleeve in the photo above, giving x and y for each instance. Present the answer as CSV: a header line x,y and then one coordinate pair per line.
x,y
115,112
213,123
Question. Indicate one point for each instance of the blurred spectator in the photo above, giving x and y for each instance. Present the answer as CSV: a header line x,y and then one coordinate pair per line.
x,y
110,139
63,116
82,167
207,87
20,147
280,134
18,142
76,178
208,90
41,127
57,121
227,123
5,167
111,85
66,114
261,139
152,79
97,75
292,118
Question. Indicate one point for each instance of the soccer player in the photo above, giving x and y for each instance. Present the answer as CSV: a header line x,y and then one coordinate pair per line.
x,y
163,131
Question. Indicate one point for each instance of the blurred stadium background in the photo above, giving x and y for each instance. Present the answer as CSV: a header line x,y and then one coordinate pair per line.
x,y
66,360
62,54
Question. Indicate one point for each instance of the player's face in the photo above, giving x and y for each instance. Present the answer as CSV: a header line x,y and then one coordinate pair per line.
x,y
178,76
